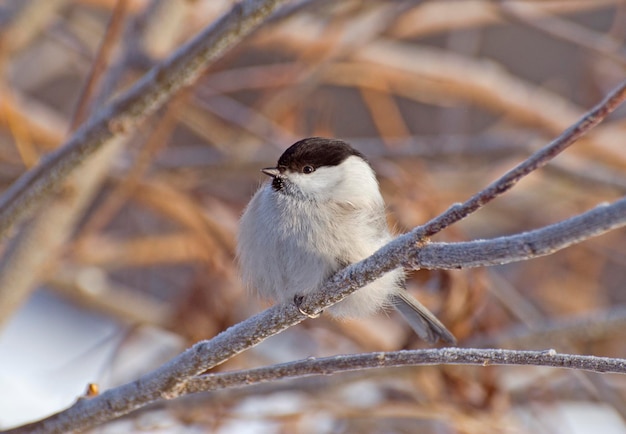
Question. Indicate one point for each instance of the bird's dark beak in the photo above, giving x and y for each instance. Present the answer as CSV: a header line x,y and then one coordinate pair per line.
x,y
271,171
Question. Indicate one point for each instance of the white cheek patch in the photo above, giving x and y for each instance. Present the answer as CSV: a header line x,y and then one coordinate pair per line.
x,y
320,183
352,182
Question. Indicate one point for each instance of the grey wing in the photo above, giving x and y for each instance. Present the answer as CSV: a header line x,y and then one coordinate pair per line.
x,y
421,320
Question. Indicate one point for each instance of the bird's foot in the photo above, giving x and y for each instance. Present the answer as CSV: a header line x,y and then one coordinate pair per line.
x,y
298,300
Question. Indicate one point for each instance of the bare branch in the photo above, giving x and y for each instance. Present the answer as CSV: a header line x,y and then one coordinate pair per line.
x,y
534,162
441,356
102,60
123,114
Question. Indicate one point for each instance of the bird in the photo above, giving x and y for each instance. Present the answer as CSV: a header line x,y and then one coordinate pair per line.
x,y
321,211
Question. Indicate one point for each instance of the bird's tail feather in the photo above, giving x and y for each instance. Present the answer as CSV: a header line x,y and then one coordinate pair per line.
x,y
423,321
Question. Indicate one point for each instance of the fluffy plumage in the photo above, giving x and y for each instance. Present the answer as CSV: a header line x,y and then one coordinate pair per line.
x,y
322,211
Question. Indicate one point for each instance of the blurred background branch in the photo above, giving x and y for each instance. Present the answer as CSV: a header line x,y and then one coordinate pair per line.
x,y
122,115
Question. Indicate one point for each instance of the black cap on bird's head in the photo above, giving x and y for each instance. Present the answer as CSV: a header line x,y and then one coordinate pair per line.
x,y
308,155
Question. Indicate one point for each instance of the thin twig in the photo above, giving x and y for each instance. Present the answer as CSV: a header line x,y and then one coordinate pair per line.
x,y
123,114
442,356
99,66
534,162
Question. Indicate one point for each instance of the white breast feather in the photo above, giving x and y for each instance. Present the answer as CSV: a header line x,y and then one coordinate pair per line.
x,y
294,258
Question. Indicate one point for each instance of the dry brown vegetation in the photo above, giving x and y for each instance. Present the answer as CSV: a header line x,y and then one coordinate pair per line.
x,y
442,96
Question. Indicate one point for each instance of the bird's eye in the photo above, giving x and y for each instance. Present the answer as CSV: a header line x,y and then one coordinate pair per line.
x,y
308,169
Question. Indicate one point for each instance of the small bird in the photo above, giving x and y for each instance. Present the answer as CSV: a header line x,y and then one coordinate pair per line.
x,y
321,211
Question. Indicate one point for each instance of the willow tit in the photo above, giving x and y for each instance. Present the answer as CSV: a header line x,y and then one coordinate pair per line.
x,y
322,211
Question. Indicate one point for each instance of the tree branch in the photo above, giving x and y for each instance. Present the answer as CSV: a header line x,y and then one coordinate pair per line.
x,y
534,162
404,251
440,356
